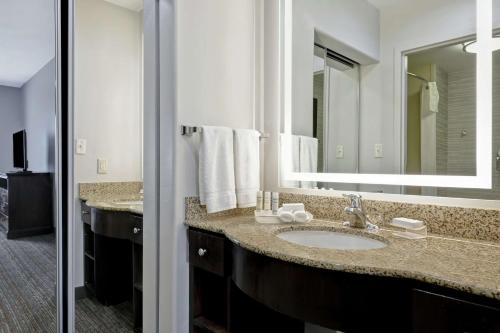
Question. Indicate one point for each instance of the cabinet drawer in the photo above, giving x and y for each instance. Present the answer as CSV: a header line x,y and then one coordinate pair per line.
x,y
207,251
437,313
85,213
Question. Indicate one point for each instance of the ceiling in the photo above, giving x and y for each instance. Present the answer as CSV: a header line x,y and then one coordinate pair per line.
x,y
27,42
135,5
450,58
27,37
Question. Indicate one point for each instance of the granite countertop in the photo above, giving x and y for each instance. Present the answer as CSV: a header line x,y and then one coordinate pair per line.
x,y
118,205
466,265
113,196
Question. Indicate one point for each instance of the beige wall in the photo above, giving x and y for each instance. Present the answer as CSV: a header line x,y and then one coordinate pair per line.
x,y
108,84
108,99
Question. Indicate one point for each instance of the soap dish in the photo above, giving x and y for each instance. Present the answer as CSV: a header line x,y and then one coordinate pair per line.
x,y
409,232
266,217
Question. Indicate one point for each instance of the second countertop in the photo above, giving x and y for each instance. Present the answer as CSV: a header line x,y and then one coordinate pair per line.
x,y
465,265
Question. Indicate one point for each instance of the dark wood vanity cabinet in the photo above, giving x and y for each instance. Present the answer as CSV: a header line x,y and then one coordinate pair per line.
x,y
137,260
113,258
236,290
216,304
439,313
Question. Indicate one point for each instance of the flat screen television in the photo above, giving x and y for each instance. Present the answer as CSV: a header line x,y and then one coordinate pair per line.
x,y
20,157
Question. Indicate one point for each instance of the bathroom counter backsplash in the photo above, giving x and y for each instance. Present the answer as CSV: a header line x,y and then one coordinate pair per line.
x,y
108,191
469,223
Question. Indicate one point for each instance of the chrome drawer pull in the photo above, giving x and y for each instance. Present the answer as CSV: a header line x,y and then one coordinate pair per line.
x,y
201,252
137,230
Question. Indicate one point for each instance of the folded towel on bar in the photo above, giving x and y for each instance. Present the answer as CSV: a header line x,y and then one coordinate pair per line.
x,y
308,158
246,166
216,169
289,159
429,98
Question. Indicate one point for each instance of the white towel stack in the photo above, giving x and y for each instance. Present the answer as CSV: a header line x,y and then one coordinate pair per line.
x,y
216,169
247,166
229,168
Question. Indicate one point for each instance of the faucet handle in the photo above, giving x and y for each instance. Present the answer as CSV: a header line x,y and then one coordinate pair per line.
x,y
354,198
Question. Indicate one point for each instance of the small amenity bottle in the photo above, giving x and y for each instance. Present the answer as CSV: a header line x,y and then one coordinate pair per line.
x,y
275,201
260,201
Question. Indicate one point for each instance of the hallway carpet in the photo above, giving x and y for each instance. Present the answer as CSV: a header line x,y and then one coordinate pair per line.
x,y
27,292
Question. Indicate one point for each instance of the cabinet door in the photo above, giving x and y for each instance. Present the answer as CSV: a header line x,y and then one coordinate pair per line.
x,y
207,251
438,313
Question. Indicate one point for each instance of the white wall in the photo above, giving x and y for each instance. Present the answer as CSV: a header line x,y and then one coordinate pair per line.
x,y
108,99
215,86
353,23
343,120
108,105
39,108
11,121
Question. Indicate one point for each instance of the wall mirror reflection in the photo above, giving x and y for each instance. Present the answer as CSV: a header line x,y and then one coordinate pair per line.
x,y
392,92
108,165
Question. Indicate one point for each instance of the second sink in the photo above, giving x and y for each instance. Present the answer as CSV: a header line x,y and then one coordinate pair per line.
x,y
330,240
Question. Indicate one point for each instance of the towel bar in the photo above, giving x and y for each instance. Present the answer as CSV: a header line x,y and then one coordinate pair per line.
x,y
190,130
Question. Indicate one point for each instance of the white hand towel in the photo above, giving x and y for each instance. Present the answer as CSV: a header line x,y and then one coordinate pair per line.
x,y
308,158
429,98
293,160
216,169
246,166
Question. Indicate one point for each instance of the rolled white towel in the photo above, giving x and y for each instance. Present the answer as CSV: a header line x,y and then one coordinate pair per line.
x,y
285,216
302,216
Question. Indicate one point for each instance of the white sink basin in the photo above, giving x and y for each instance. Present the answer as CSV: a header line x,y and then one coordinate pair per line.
x,y
330,240
128,203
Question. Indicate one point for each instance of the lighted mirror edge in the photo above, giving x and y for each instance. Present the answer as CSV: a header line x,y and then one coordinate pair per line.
x,y
484,136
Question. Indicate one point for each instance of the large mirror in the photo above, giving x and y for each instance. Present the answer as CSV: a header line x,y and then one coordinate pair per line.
x,y
390,96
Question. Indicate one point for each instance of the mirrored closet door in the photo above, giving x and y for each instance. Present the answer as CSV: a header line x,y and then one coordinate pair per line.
x,y
28,224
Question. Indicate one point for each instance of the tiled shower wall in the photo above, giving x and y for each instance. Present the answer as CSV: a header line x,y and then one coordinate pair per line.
x,y
442,122
462,116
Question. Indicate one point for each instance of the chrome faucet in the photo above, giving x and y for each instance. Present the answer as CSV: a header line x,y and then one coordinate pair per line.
x,y
360,218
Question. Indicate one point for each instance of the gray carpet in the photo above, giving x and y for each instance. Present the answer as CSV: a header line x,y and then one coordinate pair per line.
x,y
27,287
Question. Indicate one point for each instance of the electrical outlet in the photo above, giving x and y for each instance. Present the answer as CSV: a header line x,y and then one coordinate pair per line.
x,y
378,150
102,166
339,152
81,146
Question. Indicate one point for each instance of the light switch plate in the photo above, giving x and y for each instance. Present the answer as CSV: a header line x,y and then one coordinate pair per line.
x,y
339,152
102,166
378,150
81,146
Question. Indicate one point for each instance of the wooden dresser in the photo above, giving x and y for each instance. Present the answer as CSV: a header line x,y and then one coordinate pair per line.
x,y
26,205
